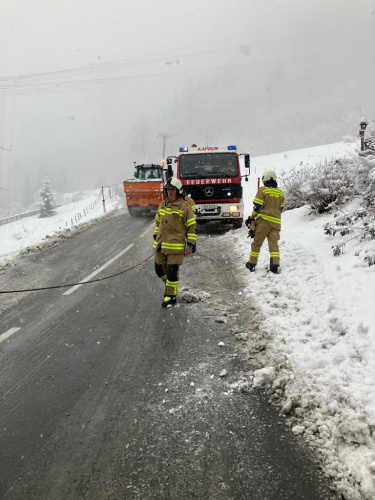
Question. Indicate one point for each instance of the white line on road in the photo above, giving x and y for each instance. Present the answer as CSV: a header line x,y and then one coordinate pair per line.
x,y
8,333
88,278
147,230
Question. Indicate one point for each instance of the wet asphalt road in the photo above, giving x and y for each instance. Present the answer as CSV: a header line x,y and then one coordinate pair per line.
x,y
105,395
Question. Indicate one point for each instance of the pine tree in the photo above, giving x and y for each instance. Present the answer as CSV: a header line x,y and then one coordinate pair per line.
x,y
47,203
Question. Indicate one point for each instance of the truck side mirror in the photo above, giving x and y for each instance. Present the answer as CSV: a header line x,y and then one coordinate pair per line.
x,y
247,161
169,161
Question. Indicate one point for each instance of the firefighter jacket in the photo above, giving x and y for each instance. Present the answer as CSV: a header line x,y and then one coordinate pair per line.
x,y
268,204
191,202
175,225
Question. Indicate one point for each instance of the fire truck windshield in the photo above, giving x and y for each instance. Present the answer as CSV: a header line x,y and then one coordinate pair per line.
x,y
208,165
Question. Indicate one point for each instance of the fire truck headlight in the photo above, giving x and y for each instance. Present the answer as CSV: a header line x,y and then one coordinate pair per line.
x,y
234,208
229,194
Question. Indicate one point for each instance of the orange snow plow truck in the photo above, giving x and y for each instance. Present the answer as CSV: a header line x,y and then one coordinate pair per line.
x,y
145,192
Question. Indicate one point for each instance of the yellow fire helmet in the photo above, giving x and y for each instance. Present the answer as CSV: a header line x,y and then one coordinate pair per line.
x,y
269,175
173,182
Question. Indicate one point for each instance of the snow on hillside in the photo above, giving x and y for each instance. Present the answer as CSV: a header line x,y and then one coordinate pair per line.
x,y
308,156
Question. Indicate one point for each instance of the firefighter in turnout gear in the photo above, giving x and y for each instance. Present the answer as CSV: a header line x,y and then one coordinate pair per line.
x,y
174,237
268,204
191,202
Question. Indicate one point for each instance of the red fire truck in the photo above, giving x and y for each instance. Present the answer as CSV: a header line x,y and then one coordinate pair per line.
x,y
211,175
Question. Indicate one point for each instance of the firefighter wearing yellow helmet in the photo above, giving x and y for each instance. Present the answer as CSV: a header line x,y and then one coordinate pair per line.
x,y
174,237
268,205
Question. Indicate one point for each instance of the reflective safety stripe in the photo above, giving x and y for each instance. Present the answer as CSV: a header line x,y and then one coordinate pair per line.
x,y
191,236
258,201
157,218
190,222
156,230
273,192
173,285
254,254
169,211
172,246
164,278
275,254
269,218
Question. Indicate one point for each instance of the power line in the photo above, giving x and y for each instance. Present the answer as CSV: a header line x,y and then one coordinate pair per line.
x,y
75,284
50,77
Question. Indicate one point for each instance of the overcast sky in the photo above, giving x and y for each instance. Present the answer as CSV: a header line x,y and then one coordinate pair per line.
x,y
87,86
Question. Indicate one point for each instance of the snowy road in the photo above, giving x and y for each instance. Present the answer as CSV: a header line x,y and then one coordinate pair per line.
x,y
106,395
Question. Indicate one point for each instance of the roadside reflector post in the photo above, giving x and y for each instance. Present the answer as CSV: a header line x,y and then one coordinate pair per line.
x,y
103,199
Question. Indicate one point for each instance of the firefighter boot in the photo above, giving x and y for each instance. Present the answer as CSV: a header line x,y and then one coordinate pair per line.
x,y
169,300
251,267
274,268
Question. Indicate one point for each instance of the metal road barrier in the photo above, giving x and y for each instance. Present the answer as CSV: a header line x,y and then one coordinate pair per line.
x,y
13,218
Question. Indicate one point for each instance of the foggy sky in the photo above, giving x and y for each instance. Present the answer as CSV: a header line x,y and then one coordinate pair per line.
x,y
86,86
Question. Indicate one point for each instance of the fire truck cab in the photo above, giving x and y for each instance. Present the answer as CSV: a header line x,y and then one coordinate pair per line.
x,y
211,175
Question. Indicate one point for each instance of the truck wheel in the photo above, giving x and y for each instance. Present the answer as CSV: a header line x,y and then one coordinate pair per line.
x,y
132,211
238,224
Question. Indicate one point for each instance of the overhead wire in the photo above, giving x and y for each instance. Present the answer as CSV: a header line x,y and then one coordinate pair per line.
x,y
50,77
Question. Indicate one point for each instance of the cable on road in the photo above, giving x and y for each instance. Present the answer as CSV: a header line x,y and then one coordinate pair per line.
x,y
75,284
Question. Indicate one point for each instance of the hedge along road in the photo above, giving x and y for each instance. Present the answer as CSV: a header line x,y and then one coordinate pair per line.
x,y
107,395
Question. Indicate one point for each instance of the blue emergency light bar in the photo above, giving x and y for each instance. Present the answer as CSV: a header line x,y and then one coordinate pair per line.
x,y
183,150
232,148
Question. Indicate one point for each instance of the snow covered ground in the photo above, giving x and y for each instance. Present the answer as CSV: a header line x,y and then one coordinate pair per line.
x,y
25,233
319,317
320,314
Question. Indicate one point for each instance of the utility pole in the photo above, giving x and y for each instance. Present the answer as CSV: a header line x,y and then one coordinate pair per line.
x,y
164,136
362,127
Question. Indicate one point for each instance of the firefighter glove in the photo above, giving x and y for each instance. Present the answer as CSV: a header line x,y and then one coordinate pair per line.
x,y
249,220
251,233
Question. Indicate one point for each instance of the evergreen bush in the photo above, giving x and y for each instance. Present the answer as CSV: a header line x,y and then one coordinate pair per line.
x,y
47,204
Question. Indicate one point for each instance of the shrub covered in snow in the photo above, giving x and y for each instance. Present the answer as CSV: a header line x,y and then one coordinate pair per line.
x,y
322,186
358,224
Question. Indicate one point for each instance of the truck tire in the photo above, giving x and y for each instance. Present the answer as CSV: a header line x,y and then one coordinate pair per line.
x,y
133,211
237,224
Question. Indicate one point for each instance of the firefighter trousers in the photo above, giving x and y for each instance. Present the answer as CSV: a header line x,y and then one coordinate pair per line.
x,y
264,230
167,267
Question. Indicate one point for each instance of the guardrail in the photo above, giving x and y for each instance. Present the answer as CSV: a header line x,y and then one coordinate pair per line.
x,y
74,220
13,218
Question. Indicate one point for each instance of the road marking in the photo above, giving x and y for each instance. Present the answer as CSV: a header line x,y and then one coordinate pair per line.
x,y
8,333
88,278
147,230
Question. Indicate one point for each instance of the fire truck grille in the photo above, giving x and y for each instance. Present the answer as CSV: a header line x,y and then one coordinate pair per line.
x,y
214,192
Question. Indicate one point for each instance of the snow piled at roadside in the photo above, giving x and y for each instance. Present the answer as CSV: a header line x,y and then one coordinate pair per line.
x,y
34,233
315,349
